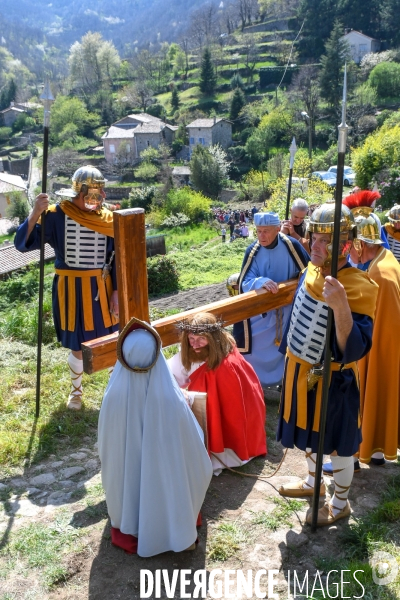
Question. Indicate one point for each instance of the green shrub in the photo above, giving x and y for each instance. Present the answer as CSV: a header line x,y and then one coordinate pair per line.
x,y
5,133
18,208
142,197
162,274
146,171
186,201
385,78
20,287
381,150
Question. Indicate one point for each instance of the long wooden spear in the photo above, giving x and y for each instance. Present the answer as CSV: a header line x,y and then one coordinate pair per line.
x,y
47,98
342,140
292,150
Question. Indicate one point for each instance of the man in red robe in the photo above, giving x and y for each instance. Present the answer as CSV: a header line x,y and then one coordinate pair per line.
x,y
210,362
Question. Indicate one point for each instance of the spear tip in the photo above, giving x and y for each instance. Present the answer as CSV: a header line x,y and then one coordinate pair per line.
x,y
46,94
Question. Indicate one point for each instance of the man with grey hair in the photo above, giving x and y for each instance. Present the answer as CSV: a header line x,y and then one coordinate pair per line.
x,y
296,226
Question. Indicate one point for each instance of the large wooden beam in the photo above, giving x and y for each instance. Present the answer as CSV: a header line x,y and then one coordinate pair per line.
x,y
130,259
101,353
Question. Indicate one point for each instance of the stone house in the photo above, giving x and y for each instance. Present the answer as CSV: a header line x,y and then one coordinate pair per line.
x,y
360,44
11,114
209,132
8,184
136,133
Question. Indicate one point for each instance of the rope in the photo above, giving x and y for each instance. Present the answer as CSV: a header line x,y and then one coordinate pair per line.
x,y
261,478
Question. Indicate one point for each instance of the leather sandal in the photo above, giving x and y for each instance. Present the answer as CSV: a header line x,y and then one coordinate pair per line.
x,y
297,490
75,398
326,516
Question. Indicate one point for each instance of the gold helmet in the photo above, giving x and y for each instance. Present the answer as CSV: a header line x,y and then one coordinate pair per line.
x,y
394,214
322,221
368,230
91,182
232,284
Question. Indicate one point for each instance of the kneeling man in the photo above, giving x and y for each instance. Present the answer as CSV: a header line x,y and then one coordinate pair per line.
x,y
210,362
352,297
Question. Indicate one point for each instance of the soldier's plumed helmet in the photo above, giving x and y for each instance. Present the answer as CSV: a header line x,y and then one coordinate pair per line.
x,y
368,229
394,214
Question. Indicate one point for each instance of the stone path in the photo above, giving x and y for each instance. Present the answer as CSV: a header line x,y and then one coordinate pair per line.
x,y
39,489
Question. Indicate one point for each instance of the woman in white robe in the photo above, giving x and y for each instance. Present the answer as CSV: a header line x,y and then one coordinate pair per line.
x,y
155,467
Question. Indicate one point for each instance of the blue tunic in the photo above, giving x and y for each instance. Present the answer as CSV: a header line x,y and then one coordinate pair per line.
x,y
342,432
276,264
55,236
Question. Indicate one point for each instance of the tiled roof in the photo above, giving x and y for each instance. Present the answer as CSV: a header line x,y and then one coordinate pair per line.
x,y
12,260
155,127
114,133
11,183
205,122
14,108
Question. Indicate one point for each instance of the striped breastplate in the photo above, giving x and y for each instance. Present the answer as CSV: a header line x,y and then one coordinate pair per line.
x,y
394,246
307,331
84,248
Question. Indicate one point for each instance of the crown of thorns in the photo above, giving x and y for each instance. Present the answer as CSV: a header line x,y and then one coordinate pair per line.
x,y
199,328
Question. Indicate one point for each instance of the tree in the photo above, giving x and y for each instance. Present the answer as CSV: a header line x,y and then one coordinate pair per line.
x,y
332,62
18,207
250,55
237,103
93,63
208,80
138,94
8,94
206,173
305,90
385,79
175,102
66,111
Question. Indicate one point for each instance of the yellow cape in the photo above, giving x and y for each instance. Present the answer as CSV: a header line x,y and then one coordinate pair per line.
x,y
379,370
395,233
101,222
361,291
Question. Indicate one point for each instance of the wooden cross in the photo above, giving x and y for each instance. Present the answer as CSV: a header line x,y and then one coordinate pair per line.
x,y
131,265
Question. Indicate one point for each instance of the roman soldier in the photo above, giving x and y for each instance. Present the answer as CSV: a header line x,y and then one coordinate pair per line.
x,y
352,298
85,301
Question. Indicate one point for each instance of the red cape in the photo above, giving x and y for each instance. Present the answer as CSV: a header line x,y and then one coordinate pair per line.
x,y
235,406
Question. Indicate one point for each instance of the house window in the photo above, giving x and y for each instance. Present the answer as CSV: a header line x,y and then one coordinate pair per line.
x,y
148,143
128,147
112,148
363,48
191,141
202,141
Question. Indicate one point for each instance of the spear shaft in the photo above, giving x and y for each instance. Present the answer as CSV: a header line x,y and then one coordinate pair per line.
x,y
47,97
292,150
329,328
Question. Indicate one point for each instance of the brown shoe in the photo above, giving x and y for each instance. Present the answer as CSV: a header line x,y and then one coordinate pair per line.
x,y
326,516
296,490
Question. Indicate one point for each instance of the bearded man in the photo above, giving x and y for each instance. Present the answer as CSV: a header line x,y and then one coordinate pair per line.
x,y
85,301
273,258
352,298
210,362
